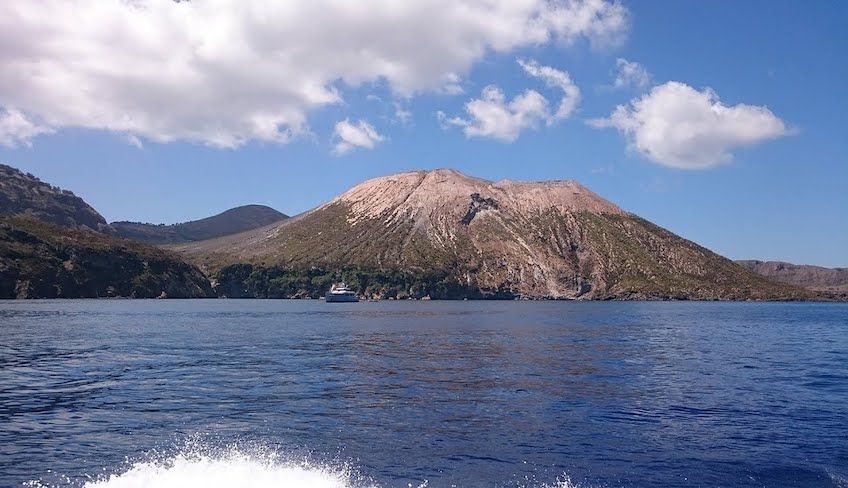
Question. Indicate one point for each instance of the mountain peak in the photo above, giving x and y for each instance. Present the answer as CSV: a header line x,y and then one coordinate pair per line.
x,y
432,195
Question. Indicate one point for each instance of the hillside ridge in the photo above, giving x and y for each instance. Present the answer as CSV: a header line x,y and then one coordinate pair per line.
x,y
808,276
232,221
24,194
55,245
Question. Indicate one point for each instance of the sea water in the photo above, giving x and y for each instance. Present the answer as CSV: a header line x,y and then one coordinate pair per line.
x,y
226,393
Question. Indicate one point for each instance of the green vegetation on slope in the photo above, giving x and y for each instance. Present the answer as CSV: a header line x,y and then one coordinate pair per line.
x,y
642,260
600,256
253,281
443,234
42,260
24,194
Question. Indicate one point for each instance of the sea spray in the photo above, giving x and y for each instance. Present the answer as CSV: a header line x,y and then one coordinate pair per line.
x,y
196,465
234,469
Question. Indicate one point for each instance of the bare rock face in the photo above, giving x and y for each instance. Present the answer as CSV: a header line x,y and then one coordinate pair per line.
x,y
552,239
431,197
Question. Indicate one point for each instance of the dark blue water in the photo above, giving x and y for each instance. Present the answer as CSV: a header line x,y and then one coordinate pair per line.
x,y
435,393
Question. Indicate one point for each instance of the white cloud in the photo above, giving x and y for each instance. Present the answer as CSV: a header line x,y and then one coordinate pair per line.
x,y
225,72
678,126
631,74
16,129
493,117
556,79
350,136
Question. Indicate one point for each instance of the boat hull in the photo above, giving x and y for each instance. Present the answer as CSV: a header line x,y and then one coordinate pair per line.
x,y
331,298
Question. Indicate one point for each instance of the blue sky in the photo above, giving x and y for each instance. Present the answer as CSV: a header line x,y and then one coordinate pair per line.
x,y
770,182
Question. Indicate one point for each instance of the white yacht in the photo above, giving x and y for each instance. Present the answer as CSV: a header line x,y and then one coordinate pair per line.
x,y
341,293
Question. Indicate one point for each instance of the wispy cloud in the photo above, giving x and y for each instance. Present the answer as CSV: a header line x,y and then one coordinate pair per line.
x,y
350,136
556,79
492,116
631,74
16,129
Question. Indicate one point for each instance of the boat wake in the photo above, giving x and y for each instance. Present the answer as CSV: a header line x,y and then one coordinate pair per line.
x,y
234,467
231,468
234,470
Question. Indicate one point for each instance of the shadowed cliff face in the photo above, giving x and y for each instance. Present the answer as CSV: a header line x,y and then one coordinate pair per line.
x,y
552,239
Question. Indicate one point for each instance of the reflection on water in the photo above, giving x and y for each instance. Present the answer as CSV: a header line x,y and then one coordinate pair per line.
x,y
465,393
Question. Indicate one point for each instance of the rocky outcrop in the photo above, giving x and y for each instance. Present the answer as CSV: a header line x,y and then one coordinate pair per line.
x,y
454,236
232,221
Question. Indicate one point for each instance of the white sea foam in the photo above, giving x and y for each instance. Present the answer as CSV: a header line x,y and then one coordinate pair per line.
x,y
562,482
229,470
199,467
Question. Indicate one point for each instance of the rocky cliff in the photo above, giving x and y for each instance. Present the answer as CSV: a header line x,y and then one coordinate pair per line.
x,y
469,237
